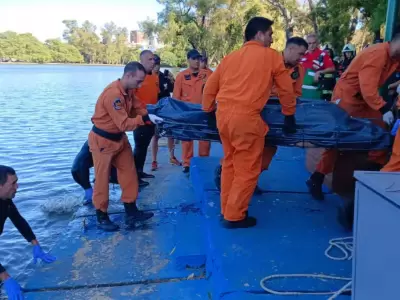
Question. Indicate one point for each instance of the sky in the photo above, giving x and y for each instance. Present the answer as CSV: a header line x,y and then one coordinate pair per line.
x,y
43,18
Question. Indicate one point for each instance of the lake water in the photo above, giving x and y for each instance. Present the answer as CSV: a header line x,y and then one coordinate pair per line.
x,y
45,113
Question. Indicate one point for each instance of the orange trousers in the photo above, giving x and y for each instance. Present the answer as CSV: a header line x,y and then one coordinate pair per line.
x,y
267,156
187,151
243,150
108,153
394,163
353,107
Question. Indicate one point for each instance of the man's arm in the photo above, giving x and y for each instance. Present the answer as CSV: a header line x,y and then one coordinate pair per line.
x,y
21,224
211,90
138,107
329,66
177,87
369,76
115,107
284,86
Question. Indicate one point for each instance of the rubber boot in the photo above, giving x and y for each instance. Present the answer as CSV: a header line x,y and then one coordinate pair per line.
x,y
245,223
143,175
133,214
104,222
315,186
143,183
345,215
258,191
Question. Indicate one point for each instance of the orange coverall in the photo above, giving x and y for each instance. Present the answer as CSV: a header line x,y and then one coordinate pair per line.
x,y
190,88
242,85
358,92
297,74
149,90
394,163
116,111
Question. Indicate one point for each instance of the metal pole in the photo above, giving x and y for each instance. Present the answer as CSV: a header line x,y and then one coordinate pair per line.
x,y
391,18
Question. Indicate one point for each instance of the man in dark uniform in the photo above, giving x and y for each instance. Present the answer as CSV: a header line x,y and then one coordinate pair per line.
x,y
8,189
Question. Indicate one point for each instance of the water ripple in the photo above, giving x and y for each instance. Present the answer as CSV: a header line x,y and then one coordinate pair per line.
x,y
45,115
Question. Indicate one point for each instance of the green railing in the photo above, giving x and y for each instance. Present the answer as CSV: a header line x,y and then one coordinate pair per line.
x,y
392,18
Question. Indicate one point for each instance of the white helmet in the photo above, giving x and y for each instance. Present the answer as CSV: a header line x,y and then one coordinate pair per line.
x,y
349,48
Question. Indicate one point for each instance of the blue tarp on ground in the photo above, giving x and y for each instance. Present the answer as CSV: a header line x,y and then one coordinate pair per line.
x,y
319,123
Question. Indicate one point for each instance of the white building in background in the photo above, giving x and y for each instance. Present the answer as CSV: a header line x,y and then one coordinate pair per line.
x,y
137,38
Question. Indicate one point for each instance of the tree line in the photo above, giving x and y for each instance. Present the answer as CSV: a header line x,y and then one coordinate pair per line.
x,y
214,27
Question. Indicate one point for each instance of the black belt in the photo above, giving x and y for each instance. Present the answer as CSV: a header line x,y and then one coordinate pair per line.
x,y
116,137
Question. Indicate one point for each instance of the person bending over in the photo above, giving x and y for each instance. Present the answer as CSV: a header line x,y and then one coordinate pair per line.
x,y
8,189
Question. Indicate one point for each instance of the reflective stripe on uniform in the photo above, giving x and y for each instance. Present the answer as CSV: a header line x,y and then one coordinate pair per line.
x,y
309,87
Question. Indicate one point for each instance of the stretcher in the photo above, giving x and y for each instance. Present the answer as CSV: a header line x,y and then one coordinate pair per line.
x,y
320,124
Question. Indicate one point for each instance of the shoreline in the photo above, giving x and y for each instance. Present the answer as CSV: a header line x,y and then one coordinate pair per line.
x,y
74,64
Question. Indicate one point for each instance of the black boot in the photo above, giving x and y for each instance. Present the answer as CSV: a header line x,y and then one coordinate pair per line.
x,y
133,214
186,170
104,222
315,185
258,191
144,175
345,215
217,177
142,183
245,223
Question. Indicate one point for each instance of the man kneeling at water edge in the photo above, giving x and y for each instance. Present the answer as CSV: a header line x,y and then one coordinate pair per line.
x,y
118,110
8,189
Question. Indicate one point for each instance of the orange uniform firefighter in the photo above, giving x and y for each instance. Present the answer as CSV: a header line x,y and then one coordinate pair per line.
x,y
357,93
394,162
147,93
189,85
117,110
242,85
295,49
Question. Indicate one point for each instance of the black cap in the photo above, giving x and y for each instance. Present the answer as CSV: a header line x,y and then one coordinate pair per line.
x,y
157,59
193,54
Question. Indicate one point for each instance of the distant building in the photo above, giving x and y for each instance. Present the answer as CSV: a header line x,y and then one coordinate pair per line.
x,y
137,38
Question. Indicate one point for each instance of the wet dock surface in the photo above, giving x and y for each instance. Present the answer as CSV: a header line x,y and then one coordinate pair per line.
x,y
184,253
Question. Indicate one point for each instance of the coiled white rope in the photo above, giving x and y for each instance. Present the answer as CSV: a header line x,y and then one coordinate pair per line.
x,y
345,245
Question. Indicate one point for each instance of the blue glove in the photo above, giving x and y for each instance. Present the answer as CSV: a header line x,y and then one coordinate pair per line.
x,y
395,127
88,196
13,289
39,254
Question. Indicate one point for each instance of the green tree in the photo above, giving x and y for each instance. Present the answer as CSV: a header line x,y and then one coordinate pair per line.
x,y
168,57
24,48
63,53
